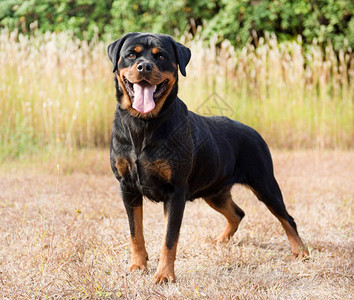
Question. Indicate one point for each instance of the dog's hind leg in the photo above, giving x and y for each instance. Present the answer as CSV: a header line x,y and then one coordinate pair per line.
x,y
223,204
267,190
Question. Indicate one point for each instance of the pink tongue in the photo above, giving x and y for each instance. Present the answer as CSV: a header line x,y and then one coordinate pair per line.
x,y
143,98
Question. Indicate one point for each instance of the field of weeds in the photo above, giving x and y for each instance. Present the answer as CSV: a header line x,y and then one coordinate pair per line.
x,y
64,235
56,90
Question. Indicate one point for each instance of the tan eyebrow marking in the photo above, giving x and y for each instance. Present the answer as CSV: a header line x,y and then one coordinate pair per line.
x,y
138,49
155,50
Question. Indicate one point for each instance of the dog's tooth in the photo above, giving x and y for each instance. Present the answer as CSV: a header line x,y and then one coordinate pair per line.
x,y
155,88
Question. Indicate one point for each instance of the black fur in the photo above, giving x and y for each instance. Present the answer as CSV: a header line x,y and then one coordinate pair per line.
x,y
207,155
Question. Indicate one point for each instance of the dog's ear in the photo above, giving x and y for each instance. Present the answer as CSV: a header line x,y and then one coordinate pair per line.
x,y
183,55
114,49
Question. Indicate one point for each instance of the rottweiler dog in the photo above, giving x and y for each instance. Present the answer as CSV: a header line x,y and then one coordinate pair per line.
x,y
163,151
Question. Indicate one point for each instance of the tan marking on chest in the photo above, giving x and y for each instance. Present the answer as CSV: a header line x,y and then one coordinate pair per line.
x,y
122,165
159,167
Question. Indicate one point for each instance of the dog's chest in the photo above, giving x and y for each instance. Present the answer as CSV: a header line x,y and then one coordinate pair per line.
x,y
141,169
152,161
149,175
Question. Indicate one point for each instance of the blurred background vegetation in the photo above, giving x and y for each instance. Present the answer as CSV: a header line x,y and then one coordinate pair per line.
x,y
284,67
229,19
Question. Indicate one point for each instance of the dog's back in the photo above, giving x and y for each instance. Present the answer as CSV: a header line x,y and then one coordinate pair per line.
x,y
225,152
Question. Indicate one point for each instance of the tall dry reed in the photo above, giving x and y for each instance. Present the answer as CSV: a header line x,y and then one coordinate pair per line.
x,y
295,98
56,90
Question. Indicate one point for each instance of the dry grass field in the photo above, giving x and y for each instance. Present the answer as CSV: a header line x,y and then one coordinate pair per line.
x,y
64,235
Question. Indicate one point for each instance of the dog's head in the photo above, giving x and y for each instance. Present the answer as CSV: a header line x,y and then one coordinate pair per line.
x,y
146,71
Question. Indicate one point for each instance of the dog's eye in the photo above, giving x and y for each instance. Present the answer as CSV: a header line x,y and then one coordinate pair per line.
x,y
131,56
161,57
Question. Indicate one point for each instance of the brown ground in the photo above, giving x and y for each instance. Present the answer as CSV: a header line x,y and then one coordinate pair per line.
x,y
67,236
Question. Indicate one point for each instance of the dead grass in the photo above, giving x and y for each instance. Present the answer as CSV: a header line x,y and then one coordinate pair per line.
x,y
58,91
67,236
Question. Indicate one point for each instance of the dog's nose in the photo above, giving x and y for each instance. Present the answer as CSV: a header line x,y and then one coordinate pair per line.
x,y
144,67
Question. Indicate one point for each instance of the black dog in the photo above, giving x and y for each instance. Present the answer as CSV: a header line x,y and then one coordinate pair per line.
x,y
162,151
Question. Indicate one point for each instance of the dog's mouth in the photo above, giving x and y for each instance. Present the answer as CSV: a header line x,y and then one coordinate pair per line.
x,y
144,95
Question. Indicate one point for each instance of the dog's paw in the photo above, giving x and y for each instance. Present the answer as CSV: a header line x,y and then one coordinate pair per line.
x,y
138,267
301,253
227,234
164,276
222,239
165,273
138,263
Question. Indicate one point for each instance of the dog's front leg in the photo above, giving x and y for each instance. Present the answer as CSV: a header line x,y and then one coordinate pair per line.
x,y
173,209
134,206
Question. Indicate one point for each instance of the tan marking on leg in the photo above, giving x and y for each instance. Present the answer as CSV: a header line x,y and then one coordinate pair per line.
x,y
297,246
233,220
139,255
122,166
159,167
165,270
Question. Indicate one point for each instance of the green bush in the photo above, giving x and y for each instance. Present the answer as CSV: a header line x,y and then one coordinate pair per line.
x,y
320,19
83,17
235,20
